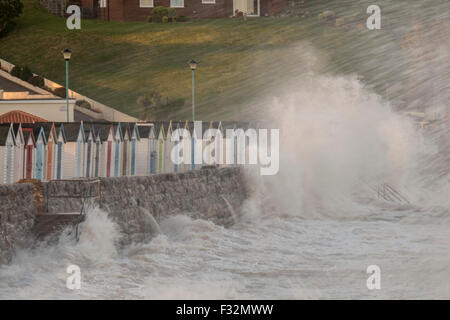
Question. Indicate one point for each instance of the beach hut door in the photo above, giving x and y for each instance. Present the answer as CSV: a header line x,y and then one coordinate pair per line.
x,y
39,162
97,150
88,159
116,160
160,156
9,164
133,156
29,161
152,161
108,159
125,156
58,172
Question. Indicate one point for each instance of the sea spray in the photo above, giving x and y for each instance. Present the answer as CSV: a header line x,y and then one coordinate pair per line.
x,y
150,221
230,209
98,236
40,272
332,143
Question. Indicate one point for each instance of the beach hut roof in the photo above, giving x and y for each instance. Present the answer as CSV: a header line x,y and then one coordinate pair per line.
x,y
158,126
36,127
126,132
144,129
71,130
37,130
118,130
4,132
61,131
27,133
103,131
15,128
87,127
134,132
191,125
47,128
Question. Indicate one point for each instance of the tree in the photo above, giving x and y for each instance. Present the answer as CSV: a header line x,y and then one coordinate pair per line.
x,y
9,10
148,102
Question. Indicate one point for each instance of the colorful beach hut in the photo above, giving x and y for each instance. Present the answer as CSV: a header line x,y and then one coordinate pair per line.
x,y
7,153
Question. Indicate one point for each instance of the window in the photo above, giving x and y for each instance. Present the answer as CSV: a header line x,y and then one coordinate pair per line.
x,y
146,3
177,3
208,1
102,3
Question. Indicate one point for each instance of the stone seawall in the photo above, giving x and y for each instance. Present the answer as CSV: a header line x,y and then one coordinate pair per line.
x,y
129,200
17,212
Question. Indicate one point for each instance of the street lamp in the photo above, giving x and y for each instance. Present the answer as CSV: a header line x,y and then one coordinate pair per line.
x,y
67,53
193,64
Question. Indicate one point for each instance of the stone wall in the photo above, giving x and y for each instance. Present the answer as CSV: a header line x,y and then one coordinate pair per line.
x,y
17,212
199,194
211,194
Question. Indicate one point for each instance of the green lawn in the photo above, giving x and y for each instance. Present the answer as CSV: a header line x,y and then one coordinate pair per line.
x,y
115,62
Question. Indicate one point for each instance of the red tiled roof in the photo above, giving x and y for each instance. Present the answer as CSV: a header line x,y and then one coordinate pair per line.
x,y
17,116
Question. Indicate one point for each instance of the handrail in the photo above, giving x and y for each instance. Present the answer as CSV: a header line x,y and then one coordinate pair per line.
x,y
82,195
388,193
402,197
391,193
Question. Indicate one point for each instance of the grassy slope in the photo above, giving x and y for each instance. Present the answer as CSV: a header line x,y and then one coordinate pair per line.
x,y
116,62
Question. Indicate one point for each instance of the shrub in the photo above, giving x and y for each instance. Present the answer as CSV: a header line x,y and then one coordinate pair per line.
x,y
173,19
37,81
160,12
165,19
83,104
182,19
23,73
26,74
16,71
151,100
149,19
9,10
171,12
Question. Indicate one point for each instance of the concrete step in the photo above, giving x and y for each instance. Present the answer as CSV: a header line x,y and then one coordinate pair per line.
x,y
47,224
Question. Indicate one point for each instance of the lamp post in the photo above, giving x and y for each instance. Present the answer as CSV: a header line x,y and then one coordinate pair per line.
x,y
67,53
193,65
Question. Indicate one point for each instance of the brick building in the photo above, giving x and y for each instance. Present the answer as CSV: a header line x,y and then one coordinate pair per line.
x,y
139,10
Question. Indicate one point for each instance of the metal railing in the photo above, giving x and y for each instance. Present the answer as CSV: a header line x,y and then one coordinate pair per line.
x,y
86,196
388,193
